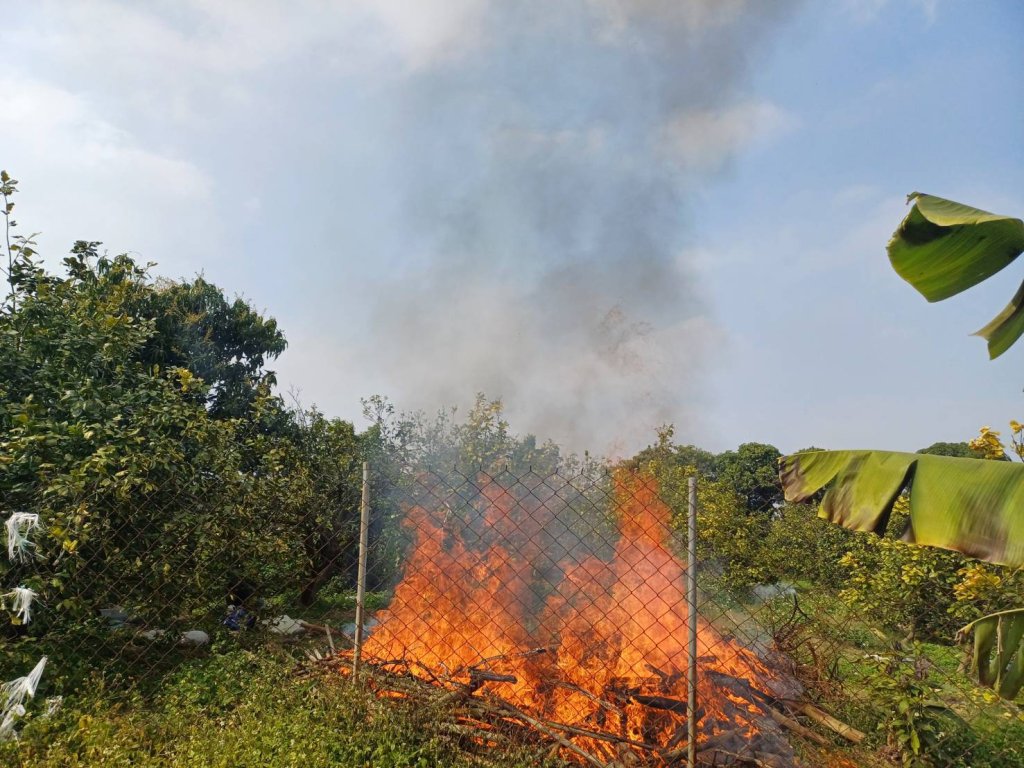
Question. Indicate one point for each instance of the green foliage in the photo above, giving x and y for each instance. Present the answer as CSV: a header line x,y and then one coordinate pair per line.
x,y
226,344
903,587
800,546
745,545
998,655
752,472
703,462
961,450
20,248
915,721
136,420
240,709
943,248
984,588
921,592
325,470
482,441
92,436
966,505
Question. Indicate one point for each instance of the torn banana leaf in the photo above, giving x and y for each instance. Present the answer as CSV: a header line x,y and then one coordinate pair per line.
x,y
997,661
971,506
942,248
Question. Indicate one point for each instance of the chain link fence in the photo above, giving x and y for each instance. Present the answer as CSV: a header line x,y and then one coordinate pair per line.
x,y
557,607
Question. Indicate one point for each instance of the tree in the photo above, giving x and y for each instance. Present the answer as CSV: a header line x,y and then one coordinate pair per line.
x,y
225,343
482,442
328,453
92,436
752,472
968,505
146,490
961,450
666,451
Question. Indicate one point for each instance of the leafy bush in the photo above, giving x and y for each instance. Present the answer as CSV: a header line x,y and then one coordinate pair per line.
x,y
800,546
137,422
139,489
903,587
923,592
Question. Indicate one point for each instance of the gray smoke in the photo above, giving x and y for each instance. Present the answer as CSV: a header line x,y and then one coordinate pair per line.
x,y
552,212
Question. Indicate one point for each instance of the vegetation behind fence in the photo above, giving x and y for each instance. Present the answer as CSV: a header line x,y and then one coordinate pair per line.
x,y
164,508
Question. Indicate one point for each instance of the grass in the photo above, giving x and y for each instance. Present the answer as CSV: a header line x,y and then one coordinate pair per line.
x,y
239,708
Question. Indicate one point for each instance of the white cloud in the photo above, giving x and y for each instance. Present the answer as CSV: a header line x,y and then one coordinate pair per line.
x,y
704,140
865,11
46,123
189,61
429,31
86,177
690,15
244,35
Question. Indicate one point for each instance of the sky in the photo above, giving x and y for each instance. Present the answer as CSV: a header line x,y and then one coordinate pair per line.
x,y
612,214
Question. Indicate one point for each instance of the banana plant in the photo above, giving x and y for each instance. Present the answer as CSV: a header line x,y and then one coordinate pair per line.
x,y
943,248
971,506
998,658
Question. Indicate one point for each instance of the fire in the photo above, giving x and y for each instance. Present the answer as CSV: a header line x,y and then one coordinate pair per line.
x,y
605,649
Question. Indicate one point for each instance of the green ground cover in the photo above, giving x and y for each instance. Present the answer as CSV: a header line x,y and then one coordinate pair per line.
x,y
242,708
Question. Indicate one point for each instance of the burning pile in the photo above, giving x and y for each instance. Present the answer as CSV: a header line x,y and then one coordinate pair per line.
x,y
596,661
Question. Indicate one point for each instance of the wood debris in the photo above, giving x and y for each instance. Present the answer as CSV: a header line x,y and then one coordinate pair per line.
x,y
481,720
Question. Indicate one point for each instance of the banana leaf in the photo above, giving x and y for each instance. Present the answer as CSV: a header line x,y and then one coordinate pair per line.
x,y
971,506
942,248
997,660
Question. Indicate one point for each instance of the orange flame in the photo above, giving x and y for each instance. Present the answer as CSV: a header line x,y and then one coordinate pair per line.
x,y
615,630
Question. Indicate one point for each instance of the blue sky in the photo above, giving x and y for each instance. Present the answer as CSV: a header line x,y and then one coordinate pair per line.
x,y
826,345
611,213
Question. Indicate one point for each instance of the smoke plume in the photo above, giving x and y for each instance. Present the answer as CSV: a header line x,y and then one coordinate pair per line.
x,y
552,272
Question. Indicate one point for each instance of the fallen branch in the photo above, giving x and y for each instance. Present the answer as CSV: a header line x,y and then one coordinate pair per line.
x,y
576,730
324,628
483,718
587,694
823,718
794,726
771,705
483,676
552,734
660,702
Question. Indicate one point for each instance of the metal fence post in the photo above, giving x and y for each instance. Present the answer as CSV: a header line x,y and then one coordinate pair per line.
x,y
691,597
364,535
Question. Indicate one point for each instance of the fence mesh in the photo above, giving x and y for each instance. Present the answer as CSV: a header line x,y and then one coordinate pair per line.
x,y
540,605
